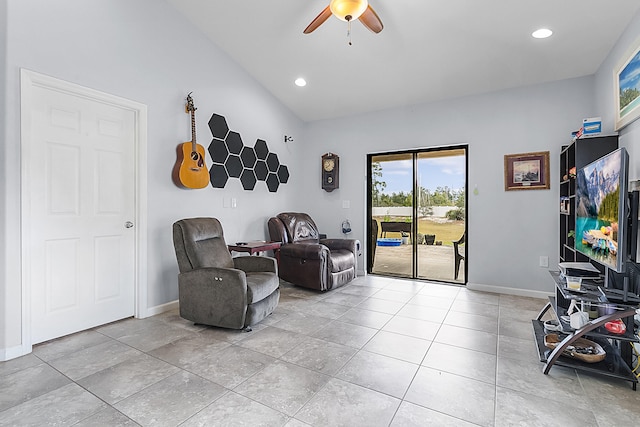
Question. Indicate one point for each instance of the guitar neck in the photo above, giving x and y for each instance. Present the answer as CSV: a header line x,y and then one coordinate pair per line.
x,y
193,130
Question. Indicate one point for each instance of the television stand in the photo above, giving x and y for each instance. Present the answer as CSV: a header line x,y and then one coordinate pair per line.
x,y
617,363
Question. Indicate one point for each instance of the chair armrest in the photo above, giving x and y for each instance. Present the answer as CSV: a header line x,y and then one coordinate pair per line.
x,y
348,244
255,264
304,250
214,296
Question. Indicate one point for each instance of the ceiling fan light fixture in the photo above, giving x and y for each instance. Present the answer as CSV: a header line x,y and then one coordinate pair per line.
x,y
348,10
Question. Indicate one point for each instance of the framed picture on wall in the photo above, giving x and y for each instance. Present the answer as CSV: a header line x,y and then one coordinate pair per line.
x,y
526,171
626,80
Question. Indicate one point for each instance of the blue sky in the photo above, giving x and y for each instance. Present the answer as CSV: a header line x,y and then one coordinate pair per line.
x,y
432,173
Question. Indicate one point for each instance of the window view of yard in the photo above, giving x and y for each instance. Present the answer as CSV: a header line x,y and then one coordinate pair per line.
x,y
446,231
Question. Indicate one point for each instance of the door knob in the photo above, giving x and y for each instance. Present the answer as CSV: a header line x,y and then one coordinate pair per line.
x,y
128,224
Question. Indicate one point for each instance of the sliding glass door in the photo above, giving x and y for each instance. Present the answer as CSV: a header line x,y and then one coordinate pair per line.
x,y
417,214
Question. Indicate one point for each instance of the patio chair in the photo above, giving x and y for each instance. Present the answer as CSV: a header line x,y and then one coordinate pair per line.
x,y
458,256
373,242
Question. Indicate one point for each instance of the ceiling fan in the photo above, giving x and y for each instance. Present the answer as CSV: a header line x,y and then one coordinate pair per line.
x,y
348,10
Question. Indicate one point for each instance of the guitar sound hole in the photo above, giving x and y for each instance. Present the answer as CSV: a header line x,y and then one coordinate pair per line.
x,y
196,157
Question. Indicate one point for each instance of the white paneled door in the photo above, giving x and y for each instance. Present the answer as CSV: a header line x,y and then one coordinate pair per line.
x,y
81,208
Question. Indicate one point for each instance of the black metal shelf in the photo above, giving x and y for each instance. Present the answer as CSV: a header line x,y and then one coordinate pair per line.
x,y
592,291
600,332
612,366
617,363
578,154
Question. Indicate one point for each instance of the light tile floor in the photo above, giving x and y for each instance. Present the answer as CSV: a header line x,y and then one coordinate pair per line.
x,y
378,352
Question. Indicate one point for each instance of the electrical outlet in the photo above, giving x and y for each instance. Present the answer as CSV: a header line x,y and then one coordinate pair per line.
x,y
544,261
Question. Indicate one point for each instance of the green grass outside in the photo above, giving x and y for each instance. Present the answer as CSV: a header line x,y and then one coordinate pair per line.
x,y
446,232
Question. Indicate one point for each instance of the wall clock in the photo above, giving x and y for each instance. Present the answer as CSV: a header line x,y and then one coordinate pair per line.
x,y
330,171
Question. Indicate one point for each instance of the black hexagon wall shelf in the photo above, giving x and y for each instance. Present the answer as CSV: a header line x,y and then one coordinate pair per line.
x,y
248,179
261,149
272,162
232,159
234,166
272,182
218,176
234,142
261,170
218,126
248,156
218,151
283,174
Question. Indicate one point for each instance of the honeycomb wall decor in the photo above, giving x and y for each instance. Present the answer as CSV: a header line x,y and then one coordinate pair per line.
x,y
232,159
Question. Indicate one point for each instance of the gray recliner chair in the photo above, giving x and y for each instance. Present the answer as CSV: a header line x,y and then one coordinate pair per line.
x,y
216,289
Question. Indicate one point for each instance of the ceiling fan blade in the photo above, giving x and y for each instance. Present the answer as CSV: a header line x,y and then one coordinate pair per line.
x,y
371,20
319,20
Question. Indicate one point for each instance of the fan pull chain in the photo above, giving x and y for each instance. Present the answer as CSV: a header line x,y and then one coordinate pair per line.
x,y
349,31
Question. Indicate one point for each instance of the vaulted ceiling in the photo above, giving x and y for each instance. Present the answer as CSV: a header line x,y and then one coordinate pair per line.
x,y
429,50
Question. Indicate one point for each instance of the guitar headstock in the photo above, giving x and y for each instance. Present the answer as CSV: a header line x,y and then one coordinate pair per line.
x,y
189,107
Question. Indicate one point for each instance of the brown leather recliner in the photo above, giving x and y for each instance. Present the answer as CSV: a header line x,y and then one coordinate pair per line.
x,y
305,259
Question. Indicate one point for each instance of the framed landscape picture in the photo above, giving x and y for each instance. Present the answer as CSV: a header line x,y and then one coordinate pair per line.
x,y
526,171
626,79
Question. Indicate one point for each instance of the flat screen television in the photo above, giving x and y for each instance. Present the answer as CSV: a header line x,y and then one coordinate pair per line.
x,y
602,210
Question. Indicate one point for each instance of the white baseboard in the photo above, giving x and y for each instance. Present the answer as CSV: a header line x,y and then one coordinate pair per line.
x,y
21,350
152,311
508,291
14,352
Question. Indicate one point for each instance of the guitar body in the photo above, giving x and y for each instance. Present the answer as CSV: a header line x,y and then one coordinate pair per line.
x,y
190,170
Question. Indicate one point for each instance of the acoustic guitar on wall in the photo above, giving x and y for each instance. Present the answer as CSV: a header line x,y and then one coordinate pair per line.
x,y
190,170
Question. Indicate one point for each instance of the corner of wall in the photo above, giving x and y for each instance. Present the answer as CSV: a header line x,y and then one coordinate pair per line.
x,y
3,180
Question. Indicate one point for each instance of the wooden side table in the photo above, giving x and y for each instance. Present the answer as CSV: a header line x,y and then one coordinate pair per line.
x,y
256,247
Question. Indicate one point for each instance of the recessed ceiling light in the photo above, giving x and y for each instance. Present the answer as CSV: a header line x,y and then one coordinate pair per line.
x,y
542,33
300,82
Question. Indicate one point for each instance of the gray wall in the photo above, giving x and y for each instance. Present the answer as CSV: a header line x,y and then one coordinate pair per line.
x,y
508,231
145,51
